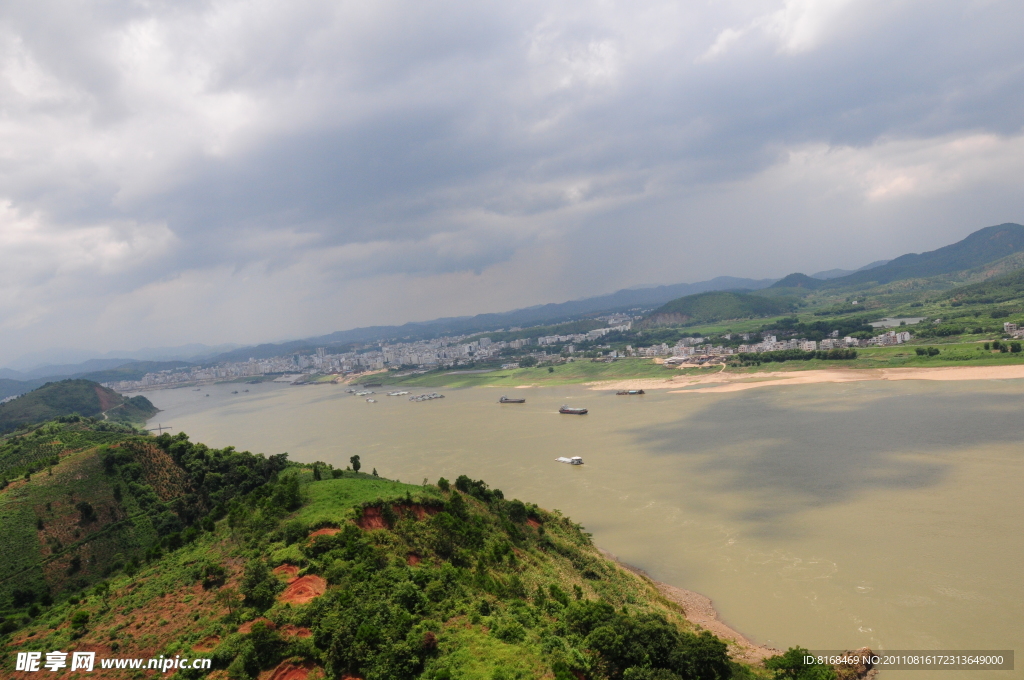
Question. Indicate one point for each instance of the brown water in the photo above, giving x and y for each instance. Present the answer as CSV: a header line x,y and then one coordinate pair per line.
x,y
830,516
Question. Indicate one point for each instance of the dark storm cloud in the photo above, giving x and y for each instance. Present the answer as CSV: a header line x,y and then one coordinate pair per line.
x,y
411,139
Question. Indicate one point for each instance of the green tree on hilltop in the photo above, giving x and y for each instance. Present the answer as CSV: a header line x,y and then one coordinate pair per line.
x,y
355,463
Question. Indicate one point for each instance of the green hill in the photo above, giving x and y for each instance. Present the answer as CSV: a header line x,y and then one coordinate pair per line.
x,y
980,248
799,281
140,546
716,306
997,289
66,397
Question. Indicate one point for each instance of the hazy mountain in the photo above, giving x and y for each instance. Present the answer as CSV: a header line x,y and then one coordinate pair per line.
x,y
70,361
983,246
64,370
836,273
799,281
621,300
715,306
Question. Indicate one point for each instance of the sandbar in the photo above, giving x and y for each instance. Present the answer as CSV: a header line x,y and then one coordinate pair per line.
x,y
720,381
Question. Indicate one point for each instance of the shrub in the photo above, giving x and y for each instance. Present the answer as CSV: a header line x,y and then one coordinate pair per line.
x,y
80,619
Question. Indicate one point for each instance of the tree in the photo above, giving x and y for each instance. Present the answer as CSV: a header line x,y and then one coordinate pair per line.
x,y
229,597
258,585
355,463
316,472
551,369
443,485
791,666
375,472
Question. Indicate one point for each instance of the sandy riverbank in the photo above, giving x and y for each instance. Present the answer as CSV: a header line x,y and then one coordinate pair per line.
x,y
700,611
721,381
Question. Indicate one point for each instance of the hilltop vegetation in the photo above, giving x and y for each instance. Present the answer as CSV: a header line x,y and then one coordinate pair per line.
x,y
139,546
67,397
716,306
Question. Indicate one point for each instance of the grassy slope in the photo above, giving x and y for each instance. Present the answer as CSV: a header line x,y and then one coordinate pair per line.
x,y
40,559
165,610
714,306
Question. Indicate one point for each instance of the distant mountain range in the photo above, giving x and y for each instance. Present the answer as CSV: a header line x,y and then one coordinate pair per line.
x,y
980,248
836,273
619,301
61,361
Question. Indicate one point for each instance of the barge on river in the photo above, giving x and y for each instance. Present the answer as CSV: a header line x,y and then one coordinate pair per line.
x,y
575,460
573,411
506,400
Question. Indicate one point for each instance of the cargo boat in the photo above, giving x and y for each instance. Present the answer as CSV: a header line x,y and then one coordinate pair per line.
x,y
506,400
575,460
629,392
573,411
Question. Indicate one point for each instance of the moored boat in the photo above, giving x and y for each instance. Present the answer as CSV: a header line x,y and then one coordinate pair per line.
x,y
506,400
575,460
629,392
573,411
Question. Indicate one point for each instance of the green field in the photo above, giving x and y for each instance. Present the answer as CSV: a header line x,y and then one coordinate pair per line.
x,y
951,353
580,371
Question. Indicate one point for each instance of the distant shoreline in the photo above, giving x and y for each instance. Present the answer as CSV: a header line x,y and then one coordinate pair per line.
x,y
719,381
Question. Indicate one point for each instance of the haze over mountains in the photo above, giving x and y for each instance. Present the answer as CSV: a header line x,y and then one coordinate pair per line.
x,y
981,248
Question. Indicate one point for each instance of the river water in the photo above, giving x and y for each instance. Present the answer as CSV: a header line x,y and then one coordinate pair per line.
x,y
831,516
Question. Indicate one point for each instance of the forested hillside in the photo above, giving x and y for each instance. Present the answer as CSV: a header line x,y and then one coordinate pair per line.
x,y
711,307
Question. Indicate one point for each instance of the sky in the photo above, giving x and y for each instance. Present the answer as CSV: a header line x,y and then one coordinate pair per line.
x,y
237,172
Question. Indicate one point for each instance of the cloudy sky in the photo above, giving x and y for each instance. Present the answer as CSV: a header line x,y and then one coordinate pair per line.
x,y
225,171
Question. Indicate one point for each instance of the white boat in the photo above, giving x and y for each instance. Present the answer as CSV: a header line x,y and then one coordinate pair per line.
x,y
397,394
371,401
575,460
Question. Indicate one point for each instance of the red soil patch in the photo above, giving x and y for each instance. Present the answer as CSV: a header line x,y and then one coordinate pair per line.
x,y
246,627
289,571
327,531
532,522
106,399
207,644
291,670
373,519
304,590
295,631
412,559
